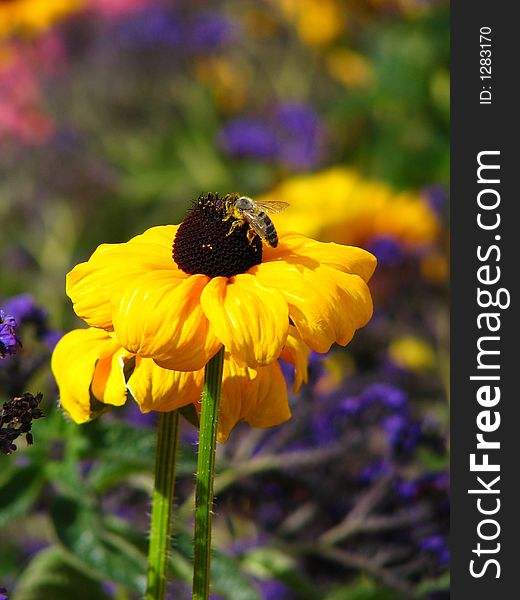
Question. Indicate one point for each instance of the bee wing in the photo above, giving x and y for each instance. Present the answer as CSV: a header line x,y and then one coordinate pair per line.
x,y
259,226
273,206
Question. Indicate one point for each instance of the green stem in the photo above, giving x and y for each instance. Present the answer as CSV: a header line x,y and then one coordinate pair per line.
x,y
205,475
162,505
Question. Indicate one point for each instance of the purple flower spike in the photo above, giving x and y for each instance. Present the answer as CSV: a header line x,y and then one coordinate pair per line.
x,y
9,341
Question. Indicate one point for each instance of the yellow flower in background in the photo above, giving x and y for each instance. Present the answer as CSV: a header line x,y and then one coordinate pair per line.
x,y
318,22
218,287
33,16
350,68
413,353
340,204
92,363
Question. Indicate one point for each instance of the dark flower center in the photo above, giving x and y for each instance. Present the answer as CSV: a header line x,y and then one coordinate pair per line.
x,y
204,244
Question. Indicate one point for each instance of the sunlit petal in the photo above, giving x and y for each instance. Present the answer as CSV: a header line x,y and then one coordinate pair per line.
x,y
325,305
92,285
160,317
162,390
249,319
298,249
73,364
257,396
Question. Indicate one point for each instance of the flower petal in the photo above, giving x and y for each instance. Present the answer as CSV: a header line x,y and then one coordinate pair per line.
x,y
298,249
258,396
92,285
73,364
297,353
249,319
160,317
108,383
325,305
162,390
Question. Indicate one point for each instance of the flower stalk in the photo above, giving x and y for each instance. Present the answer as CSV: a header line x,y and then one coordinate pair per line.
x,y
206,475
162,505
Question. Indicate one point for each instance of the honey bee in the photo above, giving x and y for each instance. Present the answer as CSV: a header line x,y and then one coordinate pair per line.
x,y
254,212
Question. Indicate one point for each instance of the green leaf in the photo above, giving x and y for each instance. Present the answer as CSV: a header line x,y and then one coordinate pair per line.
x,y
18,492
107,555
429,586
362,589
51,574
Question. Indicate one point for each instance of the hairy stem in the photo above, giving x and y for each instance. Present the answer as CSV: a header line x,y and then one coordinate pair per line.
x,y
162,505
205,475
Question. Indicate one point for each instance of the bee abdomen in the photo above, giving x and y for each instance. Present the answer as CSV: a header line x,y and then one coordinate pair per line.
x,y
270,234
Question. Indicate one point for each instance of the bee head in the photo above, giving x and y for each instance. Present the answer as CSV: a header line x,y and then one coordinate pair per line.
x,y
244,203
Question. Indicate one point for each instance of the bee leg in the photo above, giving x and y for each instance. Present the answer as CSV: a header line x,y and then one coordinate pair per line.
x,y
234,225
251,234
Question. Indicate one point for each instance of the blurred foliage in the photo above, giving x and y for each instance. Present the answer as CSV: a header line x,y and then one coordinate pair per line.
x,y
114,116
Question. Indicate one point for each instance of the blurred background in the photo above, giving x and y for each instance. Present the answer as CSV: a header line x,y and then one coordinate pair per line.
x,y
114,116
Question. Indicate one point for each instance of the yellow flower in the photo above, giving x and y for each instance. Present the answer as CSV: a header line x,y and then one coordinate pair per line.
x,y
412,353
222,288
29,16
340,204
350,68
318,22
91,364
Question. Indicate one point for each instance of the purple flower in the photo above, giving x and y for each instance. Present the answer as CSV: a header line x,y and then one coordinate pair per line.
x,y
406,489
9,341
387,251
211,31
248,138
402,434
437,198
151,26
25,311
374,471
291,134
154,26
352,406
300,135
386,395
438,547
